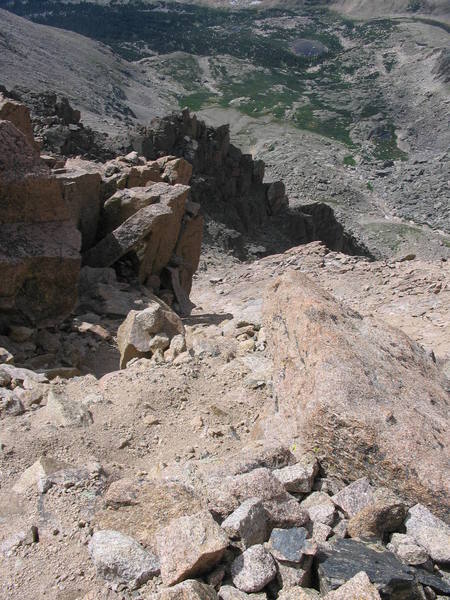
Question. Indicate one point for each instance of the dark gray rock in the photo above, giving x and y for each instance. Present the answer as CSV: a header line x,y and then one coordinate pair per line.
x,y
395,580
291,544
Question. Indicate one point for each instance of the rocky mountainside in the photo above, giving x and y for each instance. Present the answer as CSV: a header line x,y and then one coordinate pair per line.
x,y
208,434
110,92
346,113
224,349
368,9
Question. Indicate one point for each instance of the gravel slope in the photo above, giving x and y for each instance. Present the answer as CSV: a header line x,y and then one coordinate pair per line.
x,y
100,84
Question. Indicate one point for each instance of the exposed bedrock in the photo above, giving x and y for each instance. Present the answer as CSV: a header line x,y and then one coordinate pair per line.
x,y
354,390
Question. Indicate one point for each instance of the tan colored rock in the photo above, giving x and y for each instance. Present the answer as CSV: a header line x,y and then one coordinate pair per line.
x,y
63,411
177,171
141,508
25,181
127,202
248,523
226,494
189,546
19,115
40,470
298,593
136,334
320,508
354,497
229,592
357,588
80,184
39,246
384,515
292,575
252,570
187,590
286,513
151,232
120,559
299,478
188,249
429,532
332,367
406,548
142,175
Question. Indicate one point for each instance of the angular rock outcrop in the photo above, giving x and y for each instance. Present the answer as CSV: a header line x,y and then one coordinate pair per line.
x,y
160,229
152,223
189,546
39,246
348,387
19,115
81,183
227,183
137,336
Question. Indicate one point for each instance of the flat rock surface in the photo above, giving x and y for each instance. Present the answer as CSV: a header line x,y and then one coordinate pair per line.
x,y
429,532
290,545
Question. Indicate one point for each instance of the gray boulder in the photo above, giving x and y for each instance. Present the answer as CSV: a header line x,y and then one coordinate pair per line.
x,y
249,523
429,532
253,569
120,559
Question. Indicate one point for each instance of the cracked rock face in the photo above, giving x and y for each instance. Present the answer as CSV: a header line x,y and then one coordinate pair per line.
x,y
331,365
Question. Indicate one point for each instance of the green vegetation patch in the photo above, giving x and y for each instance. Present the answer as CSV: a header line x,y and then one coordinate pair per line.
x,y
349,161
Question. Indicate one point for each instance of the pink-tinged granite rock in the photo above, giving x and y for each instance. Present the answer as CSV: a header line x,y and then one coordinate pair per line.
x,y
347,387
189,546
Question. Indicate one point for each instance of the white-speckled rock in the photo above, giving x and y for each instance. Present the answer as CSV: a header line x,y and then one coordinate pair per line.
x,y
121,559
253,569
